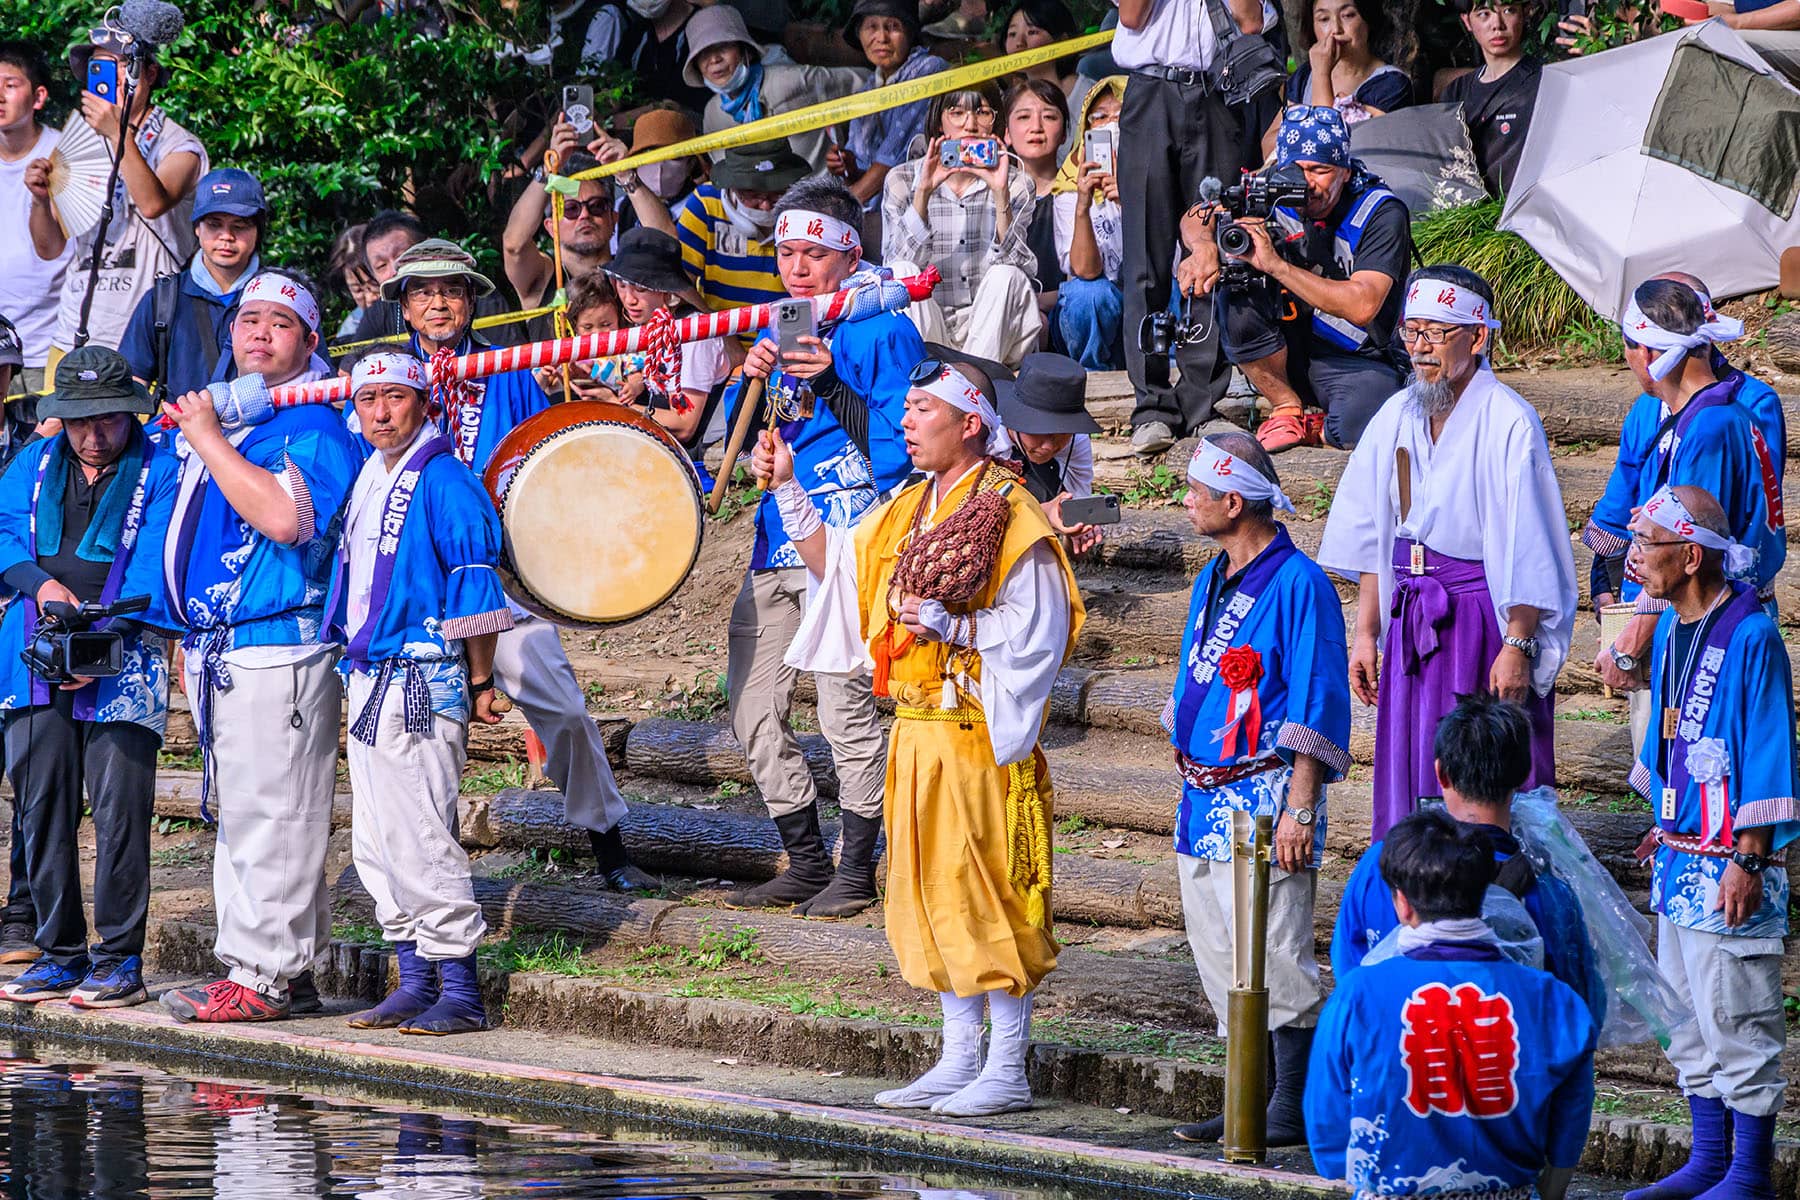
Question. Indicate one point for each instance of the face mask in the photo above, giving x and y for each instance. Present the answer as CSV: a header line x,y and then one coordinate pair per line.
x,y
751,222
666,179
649,9
733,85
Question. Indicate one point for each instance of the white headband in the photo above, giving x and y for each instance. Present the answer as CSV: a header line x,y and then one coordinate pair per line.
x,y
1666,510
1212,468
389,367
1675,346
953,388
803,225
1431,299
279,289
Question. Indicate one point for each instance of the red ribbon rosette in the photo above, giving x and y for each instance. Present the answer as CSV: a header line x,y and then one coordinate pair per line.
x,y
1241,669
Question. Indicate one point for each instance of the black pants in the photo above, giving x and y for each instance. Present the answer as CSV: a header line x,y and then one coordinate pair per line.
x,y
49,757
1179,135
18,880
1260,320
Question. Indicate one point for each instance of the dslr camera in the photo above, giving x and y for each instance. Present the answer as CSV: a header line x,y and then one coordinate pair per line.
x,y
1256,197
67,647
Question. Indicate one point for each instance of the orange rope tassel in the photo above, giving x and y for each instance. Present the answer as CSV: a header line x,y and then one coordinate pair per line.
x,y
886,649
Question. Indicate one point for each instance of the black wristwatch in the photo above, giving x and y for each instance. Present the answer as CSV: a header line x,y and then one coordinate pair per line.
x,y
1751,864
485,685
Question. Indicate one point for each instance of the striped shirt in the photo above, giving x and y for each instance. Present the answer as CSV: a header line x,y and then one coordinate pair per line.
x,y
728,268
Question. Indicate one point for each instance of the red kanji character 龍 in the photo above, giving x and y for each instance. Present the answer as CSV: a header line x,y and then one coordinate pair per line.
x,y
1461,1052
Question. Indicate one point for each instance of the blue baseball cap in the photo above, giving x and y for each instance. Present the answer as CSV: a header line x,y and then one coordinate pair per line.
x,y
229,190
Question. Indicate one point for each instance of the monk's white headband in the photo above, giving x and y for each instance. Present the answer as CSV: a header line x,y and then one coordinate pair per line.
x,y
803,225
279,289
953,388
1636,327
389,367
1666,511
1431,299
1211,467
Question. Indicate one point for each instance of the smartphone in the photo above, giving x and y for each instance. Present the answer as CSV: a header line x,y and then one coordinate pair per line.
x,y
969,152
1100,146
103,78
793,321
1102,509
578,107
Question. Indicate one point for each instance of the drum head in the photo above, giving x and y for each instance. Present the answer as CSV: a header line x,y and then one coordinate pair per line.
x,y
602,522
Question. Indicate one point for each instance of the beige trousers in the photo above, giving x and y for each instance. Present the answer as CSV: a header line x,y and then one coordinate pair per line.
x,y
764,620
1002,322
404,834
531,666
1732,1051
1291,970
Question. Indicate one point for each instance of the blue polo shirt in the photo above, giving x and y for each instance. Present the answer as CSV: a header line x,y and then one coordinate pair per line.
x,y
201,316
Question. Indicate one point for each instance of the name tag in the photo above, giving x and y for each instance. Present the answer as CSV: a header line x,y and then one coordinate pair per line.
x,y
1668,804
1418,558
1670,723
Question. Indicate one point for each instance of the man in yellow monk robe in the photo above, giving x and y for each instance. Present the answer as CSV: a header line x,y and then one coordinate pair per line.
x,y
968,802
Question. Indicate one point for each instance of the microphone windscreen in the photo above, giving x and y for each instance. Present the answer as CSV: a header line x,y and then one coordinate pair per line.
x,y
155,22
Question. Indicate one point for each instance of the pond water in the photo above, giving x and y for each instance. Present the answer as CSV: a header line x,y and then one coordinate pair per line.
x,y
114,1130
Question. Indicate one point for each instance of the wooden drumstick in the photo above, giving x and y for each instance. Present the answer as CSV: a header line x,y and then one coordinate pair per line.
x,y
734,445
502,704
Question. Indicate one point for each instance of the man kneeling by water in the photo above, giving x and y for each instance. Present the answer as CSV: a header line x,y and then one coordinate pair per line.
x,y
420,607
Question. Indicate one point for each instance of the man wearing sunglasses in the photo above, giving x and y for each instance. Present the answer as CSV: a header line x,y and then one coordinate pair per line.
x,y
1313,327
586,229
1448,515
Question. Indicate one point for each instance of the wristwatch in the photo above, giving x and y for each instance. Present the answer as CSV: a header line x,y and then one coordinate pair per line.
x,y
1527,646
1303,816
1627,663
1751,864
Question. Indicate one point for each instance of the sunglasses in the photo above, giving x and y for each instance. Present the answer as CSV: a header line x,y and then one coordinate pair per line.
x,y
925,372
595,207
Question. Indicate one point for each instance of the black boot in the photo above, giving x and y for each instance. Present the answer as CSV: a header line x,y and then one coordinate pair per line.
x,y
615,864
808,870
853,888
1287,1122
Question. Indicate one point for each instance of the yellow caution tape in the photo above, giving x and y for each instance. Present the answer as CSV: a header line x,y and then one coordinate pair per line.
x,y
833,112
487,322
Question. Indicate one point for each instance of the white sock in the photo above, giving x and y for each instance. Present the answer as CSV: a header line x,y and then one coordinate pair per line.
x,y
1002,1085
957,1065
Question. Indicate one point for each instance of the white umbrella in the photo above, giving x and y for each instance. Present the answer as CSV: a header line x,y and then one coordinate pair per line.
x,y
1604,214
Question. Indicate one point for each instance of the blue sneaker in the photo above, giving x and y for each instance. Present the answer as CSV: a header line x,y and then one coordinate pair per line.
x,y
115,985
43,980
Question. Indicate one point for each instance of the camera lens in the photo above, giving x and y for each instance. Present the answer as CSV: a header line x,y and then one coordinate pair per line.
x,y
1234,240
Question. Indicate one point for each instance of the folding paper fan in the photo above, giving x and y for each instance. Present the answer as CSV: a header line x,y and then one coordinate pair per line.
x,y
79,168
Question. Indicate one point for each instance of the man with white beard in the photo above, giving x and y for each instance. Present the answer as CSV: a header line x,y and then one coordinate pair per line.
x,y
1450,519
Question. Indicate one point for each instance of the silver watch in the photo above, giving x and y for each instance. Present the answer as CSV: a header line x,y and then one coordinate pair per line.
x,y
1627,663
1303,816
1527,646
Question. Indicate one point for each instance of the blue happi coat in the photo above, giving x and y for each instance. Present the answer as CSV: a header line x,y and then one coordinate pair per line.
x,y
1284,608
1366,915
1449,1069
435,583
1730,440
1734,743
135,507
506,400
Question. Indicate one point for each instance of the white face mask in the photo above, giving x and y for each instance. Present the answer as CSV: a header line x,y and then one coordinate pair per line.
x,y
733,85
649,9
751,222
667,179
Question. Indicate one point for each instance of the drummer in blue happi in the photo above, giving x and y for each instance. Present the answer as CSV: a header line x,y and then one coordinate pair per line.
x,y
419,605
1260,719
1717,766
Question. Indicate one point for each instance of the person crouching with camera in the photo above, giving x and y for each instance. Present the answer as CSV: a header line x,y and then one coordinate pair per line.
x,y
83,515
1308,293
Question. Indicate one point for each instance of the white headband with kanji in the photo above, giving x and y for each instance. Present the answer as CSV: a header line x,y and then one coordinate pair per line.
x,y
1666,511
1213,468
1431,299
954,388
289,293
388,366
1635,326
804,225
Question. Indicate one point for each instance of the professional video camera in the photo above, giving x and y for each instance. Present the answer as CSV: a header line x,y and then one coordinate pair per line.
x,y
1255,198
67,647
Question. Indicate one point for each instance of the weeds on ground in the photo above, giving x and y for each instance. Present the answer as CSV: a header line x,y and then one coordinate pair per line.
x,y
494,777
702,700
1605,715
1316,501
1157,485
356,933
1073,824
188,854
742,495
165,826
541,864
191,761
542,953
1130,1039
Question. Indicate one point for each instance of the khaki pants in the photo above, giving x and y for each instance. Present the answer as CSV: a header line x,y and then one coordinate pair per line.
x,y
1292,965
763,623
531,666
404,834
1002,322
274,752
1732,1051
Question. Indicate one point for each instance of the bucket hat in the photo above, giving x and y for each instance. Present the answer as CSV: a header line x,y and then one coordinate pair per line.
x,y
761,167
435,258
720,25
1049,396
92,381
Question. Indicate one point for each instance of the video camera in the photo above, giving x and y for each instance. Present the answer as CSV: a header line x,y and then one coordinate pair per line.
x,y
1255,198
67,647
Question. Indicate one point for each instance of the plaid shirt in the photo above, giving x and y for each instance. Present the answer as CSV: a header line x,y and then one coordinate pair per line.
x,y
960,236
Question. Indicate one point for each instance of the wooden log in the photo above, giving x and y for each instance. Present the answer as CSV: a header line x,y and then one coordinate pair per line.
x,y
178,798
596,918
1782,339
709,753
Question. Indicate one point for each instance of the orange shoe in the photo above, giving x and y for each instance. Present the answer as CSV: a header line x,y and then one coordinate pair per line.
x,y
1285,429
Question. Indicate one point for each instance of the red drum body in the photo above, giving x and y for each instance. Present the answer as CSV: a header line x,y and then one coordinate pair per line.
x,y
600,511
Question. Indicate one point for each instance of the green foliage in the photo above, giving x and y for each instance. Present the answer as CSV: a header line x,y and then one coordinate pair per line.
x,y
703,700
496,777
552,954
1158,485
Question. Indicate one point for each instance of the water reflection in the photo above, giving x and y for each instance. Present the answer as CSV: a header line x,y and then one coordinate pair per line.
x,y
115,1132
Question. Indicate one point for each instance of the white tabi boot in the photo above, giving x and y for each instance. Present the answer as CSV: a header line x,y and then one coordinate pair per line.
x,y
957,1066
1001,1087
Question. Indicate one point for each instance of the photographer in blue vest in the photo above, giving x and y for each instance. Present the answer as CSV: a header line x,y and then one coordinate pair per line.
x,y
1308,313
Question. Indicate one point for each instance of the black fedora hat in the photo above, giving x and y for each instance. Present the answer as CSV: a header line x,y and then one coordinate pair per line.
x,y
1049,396
649,258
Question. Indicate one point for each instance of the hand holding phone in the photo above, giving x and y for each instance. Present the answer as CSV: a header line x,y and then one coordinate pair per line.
x,y
793,321
1101,509
1100,147
103,78
578,108
981,153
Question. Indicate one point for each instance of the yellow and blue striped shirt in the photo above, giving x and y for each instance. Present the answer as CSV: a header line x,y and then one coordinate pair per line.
x,y
728,268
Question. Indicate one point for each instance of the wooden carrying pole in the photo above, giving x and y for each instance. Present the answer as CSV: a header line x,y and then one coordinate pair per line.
x,y
734,445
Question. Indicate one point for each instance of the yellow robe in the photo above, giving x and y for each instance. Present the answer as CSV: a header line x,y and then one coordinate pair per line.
x,y
955,919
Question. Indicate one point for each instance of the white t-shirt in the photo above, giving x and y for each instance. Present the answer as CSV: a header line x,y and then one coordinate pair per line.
x,y
29,285
137,250
703,366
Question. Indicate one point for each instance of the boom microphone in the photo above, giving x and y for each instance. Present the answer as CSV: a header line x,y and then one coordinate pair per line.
x,y
151,22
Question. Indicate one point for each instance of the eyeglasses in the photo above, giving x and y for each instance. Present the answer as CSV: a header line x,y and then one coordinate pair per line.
x,y
925,372
959,111
595,207
438,291
1640,541
1431,335
1302,112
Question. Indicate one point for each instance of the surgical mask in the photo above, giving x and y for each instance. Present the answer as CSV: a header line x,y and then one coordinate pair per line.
x,y
666,179
733,85
751,222
649,9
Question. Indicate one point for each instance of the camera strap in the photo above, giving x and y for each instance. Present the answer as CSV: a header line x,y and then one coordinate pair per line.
x,y
1244,64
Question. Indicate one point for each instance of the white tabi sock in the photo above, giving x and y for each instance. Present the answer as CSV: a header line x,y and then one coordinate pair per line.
x,y
956,1066
1002,1086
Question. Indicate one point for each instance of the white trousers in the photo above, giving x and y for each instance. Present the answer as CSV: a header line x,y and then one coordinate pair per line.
x,y
274,753
1732,1052
531,667
1291,970
1002,322
1640,718
404,836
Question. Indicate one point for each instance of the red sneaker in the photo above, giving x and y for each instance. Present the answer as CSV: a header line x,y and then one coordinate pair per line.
x,y
223,1001
1284,430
